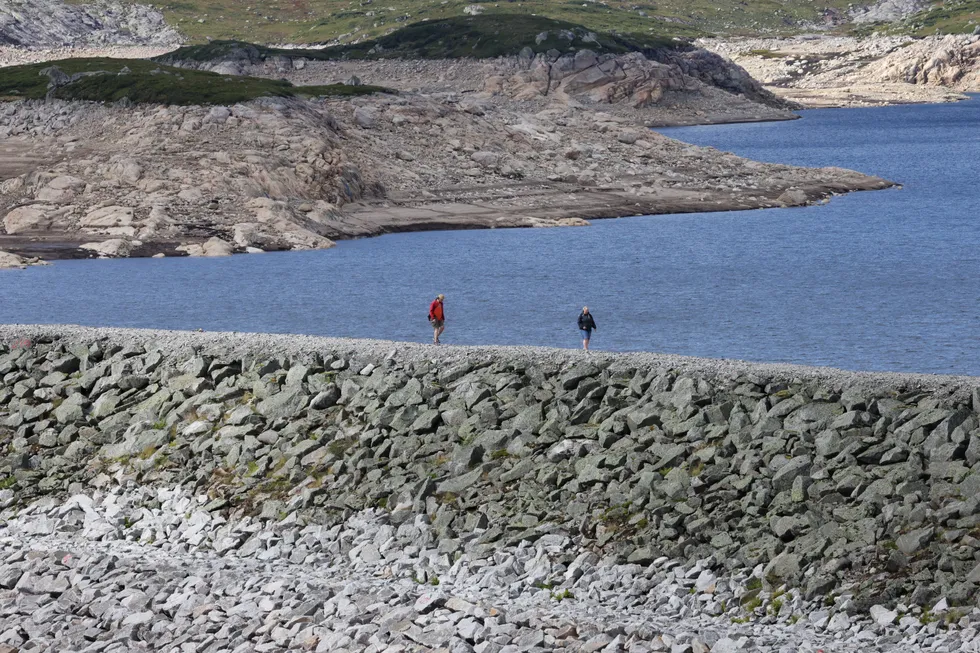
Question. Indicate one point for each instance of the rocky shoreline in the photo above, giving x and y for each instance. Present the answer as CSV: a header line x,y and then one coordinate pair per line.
x,y
533,140
837,71
237,492
88,179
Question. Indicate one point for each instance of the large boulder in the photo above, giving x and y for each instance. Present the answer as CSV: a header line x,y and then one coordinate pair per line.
x,y
24,219
112,248
212,247
126,170
117,220
366,117
60,190
10,261
277,224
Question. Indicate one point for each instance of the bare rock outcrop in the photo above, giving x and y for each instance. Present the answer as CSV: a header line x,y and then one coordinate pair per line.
x,y
887,11
54,23
606,79
846,71
10,261
951,61
636,79
268,175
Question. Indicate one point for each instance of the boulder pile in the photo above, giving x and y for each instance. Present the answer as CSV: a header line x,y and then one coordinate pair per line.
x,y
277,493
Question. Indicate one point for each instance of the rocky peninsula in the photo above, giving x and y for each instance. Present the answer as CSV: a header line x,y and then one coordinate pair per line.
x,y
533,140
233,492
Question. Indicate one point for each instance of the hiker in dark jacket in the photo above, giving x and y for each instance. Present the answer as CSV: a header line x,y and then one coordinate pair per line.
x,y
586,324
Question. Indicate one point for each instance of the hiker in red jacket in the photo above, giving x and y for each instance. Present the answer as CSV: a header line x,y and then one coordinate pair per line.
x,y
437,318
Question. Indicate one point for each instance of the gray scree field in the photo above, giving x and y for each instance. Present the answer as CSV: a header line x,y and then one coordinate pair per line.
x,y
169,491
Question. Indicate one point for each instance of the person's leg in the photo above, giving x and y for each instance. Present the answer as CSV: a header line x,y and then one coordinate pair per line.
x,y
585,340
439,330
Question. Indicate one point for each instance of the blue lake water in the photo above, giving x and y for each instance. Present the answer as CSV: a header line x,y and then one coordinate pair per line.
x,y
887,280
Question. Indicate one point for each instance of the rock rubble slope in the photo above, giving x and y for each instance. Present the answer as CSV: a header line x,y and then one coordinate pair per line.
x,y
170,491
54,23
16,56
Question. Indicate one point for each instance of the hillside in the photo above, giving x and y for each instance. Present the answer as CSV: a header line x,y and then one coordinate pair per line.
x,y
48,23
944,17
309,21
480,37
111,80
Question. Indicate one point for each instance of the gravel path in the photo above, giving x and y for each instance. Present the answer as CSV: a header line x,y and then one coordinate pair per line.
x,y
287,345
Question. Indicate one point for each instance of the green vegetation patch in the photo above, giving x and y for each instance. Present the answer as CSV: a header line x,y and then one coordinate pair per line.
x,y
479,37
139,81
493,35
941,17
768,54
945,17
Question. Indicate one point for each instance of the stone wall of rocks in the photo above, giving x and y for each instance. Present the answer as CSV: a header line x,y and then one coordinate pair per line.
x,y
850,490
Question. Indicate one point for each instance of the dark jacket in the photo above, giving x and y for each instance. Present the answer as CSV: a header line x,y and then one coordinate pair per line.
x,y
585,321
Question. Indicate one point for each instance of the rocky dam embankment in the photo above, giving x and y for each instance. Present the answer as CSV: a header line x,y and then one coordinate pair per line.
x,y
226,492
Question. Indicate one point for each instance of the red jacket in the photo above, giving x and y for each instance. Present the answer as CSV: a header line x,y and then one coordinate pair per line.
x,y
435,311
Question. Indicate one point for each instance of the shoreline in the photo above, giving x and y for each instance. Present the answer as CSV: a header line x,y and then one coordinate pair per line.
x,y
845,98
722,121
598,204
587,204
696,182
272,345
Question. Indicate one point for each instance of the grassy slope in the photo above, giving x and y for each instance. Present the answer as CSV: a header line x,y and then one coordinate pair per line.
x,y
941,17
467,36
151,82
310,21
945,17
